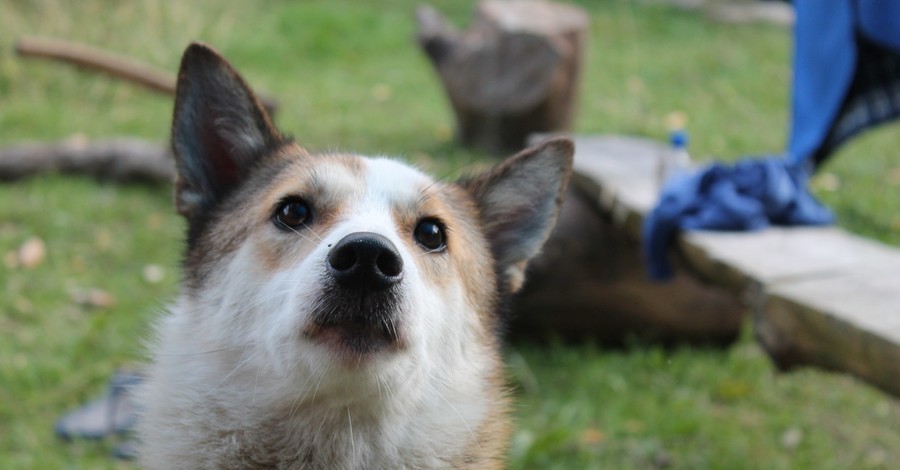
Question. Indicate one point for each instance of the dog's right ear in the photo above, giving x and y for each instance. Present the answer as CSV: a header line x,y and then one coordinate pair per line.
x,y
219,130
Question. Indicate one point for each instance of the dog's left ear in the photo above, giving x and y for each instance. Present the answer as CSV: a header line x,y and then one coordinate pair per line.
x,y
519,200
218,132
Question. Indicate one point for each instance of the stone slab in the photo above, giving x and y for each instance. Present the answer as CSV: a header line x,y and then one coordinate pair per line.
x,y
820,296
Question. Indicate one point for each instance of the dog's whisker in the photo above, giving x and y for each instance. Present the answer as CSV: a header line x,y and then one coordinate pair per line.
x,y
458,414
429,252
382,381
322,424
350,425
203,353
304,236
428,191
244,359
304,391
316,391
378,387
296,402
255,387
457,171
313,232
284,292
217,350
393,327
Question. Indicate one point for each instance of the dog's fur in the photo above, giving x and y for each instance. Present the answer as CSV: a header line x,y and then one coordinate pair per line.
x,y
267,360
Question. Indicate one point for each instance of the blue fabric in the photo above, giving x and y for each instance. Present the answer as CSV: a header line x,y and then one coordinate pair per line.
x,y
749,195
756,193
825,58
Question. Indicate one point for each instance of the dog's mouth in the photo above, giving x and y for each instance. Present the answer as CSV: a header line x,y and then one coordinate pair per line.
x,y
355,326
355,336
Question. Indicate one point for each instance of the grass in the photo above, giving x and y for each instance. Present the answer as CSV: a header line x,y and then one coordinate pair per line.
x,y
330,63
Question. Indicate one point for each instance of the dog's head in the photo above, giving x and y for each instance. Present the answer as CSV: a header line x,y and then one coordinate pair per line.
x,y
337,264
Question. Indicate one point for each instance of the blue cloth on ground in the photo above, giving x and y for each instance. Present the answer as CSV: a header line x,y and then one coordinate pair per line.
x,y
846,79
749,195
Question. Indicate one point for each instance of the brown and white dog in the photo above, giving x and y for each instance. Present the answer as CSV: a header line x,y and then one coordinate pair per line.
x,y
337,311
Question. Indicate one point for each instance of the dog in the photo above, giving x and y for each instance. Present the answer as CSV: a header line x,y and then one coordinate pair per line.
x,y
336,310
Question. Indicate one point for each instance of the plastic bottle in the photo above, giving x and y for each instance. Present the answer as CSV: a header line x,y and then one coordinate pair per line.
x,y
677,160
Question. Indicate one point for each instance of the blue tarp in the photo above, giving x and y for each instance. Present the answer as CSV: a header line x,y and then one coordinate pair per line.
x,y
846,79
827,40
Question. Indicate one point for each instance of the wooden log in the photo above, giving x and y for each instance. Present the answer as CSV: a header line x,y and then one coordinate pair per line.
x,y
115,65
590,283
513,73
120,160
848,323
825,297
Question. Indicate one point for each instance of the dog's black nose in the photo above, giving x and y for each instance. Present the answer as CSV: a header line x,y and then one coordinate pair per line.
x,y
365,260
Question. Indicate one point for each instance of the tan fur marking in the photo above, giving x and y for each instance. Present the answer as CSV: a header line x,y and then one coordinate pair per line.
x,y
249,214
468,253
492,438
311,178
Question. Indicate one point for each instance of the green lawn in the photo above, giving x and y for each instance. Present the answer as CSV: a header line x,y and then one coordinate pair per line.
x,y
329,63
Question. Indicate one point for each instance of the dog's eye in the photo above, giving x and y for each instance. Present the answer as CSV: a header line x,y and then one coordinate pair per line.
x,y
430,234
292,213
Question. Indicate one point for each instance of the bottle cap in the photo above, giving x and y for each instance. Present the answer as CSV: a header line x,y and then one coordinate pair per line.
x,y
678,138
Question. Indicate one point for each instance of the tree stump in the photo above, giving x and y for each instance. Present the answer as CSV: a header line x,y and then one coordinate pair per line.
x,y
513,73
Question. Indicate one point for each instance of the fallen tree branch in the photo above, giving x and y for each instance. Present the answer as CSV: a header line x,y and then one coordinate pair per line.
x,y
120,160
115,65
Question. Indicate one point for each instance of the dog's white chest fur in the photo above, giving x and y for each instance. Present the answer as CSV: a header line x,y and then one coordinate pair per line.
x,y
224,410
336,311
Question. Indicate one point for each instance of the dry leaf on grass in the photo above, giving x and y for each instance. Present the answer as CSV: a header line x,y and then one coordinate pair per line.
x,y
93,298
32,253
153,273
792,438
592,436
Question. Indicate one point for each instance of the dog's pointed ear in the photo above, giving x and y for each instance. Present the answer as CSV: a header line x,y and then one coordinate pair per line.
x,y
218,131
519,200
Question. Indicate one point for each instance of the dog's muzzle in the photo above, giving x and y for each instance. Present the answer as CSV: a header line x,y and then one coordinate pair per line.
x,y
365,261
357,310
